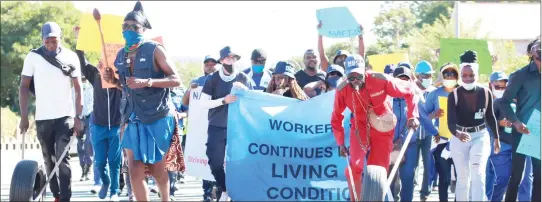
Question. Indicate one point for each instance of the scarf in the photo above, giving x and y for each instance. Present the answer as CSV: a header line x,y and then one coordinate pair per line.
x,y
227,78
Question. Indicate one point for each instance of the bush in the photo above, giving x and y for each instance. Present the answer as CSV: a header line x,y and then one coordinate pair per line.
x,y
10,123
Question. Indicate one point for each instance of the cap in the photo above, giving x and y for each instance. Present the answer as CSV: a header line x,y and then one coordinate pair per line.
x,y
449,65
209,58
284,68
404,64
335,68
50,29
258,54
354,64
309,51
402,71
340,53
498,76
389,68
424,67
226,51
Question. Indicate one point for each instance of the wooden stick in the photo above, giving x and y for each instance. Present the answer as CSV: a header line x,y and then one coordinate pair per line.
x,y
98,17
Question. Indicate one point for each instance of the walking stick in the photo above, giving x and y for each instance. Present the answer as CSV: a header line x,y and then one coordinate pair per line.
x,y
396,164
351,179
98,17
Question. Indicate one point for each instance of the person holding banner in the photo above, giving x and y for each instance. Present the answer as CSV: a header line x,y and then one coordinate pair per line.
x,y
523,85
260,77
146,74
470,114
334,75
284,83
340,55
218,87
450,74
364,93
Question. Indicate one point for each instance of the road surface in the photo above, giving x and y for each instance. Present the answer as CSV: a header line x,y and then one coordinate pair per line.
x,y
189,191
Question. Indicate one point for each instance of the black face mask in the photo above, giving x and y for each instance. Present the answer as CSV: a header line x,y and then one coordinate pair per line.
x,y
229,68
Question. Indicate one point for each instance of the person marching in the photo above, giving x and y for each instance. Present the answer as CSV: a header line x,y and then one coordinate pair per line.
x,y
364,93
334,75
260,77
146,74
470,114
284,82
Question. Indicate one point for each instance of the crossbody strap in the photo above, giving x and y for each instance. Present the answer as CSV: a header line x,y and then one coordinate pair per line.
x,y
66,69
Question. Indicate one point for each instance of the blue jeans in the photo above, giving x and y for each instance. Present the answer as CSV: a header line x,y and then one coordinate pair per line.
x,y
408,168
84,146
95,171
498,172
107,149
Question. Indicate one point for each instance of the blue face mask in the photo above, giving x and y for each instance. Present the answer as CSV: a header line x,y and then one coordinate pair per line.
x,y
333,81
132,37
257,68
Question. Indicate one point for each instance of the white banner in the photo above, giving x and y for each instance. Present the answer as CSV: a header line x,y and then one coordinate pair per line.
x,y
195,157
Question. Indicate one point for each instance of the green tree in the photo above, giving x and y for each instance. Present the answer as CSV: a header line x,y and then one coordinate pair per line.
x,y
393,25
21,31
427,12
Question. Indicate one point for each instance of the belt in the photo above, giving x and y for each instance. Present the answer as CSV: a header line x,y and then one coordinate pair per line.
x,y
472,129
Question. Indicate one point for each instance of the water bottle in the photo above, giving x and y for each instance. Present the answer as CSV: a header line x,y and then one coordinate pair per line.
x,y
509,129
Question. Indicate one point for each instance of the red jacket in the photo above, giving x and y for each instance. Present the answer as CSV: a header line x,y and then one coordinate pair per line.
x,y
377,88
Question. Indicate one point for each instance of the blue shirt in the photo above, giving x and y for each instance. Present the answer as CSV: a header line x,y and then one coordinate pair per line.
x,y
524,86
431,102
426,124
259,81
503,135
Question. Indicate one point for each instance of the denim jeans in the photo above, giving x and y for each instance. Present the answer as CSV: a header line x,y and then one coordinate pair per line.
x,y
107,151
470,159
408,169
444,171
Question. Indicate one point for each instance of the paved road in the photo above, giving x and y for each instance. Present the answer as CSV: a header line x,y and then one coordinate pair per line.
x,y
189,191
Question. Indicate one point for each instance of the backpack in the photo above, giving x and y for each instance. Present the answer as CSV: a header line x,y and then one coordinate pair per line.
x,y
486,92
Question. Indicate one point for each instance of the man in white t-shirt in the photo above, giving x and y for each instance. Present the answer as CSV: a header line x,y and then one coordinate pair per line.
x,y
55,112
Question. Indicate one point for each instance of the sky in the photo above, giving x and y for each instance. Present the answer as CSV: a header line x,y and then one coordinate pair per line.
x,y
195,29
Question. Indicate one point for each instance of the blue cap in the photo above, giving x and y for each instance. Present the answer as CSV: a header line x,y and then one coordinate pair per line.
x,y
209,58
355,64
284,68
50,29
424,67
402,71
389,68
335,68
405,64
226,51
340,53
498,76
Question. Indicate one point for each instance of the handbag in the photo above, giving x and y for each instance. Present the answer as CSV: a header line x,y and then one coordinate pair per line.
x,y
66,69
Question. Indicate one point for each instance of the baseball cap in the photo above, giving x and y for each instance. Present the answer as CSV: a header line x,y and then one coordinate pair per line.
x,y
50,29
354,63
284,68
388,69
309,51
209,58
226,51
340,53
424,67
335,68
258,54
405,64
402,71
498,76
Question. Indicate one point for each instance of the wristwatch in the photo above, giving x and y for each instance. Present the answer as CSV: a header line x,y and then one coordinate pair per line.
x,y
149,82
223,102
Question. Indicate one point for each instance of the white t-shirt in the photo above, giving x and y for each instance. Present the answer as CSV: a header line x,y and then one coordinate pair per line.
x,y
53,89
88,98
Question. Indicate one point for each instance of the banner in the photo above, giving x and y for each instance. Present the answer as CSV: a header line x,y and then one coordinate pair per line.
x,y
530,144
451,49
443,129
89,36
337,22
280,148
378,62
195,156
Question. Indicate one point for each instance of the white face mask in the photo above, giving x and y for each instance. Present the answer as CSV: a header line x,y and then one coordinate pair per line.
x,y
449,83
469,86
426,82
498,93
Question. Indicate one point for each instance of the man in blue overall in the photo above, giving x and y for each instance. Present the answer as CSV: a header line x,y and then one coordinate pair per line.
x,y
410,158
260,77
146,75
217,88
499,166
208,68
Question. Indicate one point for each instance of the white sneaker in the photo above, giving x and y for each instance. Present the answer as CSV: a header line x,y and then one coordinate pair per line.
x,y
114,198
224,197
95,189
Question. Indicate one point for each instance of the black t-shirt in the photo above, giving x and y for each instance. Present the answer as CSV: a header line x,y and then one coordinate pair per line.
x,y
304,79
218,88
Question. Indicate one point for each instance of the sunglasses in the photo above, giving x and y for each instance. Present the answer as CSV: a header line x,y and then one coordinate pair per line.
x,y
499,87
261,62
449,73
133,27
354,77
425,76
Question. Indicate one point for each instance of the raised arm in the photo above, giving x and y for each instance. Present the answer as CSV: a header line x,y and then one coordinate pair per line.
x,y
324,62
361,44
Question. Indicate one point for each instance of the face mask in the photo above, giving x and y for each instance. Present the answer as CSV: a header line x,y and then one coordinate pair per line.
x,y
498,93
229,68
132,37
468,86
449,83
332,81
426,82
51,53
257,68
